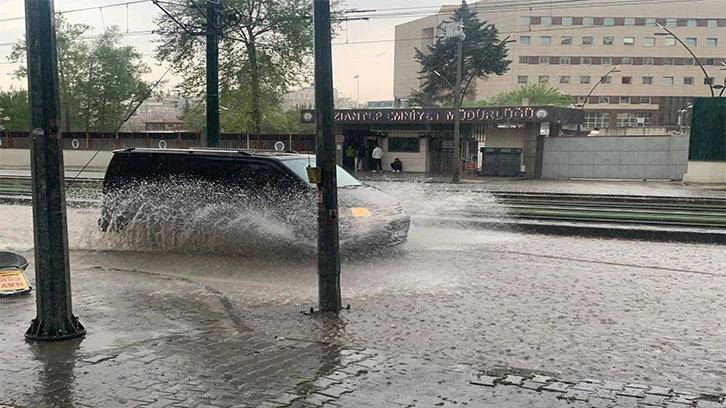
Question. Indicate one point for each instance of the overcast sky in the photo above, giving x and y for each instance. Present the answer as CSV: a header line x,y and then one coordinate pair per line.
x,y
363,48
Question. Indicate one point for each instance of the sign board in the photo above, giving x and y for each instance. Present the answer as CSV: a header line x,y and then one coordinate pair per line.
x,y
447,144
279,146
12,281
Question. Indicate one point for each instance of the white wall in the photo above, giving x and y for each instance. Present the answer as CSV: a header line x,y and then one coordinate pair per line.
x,y
72,159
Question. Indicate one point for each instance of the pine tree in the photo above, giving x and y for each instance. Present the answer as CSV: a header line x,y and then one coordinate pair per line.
x,y
483,55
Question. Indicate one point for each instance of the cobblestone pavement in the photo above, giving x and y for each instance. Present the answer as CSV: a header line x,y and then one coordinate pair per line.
x,y
156,341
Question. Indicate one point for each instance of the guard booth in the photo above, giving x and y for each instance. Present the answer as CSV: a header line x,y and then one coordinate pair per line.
x,y
423,138
501,161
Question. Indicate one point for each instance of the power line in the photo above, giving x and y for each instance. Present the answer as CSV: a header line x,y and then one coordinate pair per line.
x,y
2,20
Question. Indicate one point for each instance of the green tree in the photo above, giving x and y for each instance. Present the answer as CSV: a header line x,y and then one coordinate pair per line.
x,y
14,110
265,47
537,94
97,80
483,55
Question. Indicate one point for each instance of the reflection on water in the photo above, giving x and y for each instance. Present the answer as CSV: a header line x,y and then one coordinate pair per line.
x,y
54,385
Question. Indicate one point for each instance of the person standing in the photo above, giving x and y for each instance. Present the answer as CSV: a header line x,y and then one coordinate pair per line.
x,y
349,159
377,155
361,157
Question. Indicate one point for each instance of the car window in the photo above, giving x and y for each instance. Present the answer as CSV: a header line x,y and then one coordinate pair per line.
x,y
298,166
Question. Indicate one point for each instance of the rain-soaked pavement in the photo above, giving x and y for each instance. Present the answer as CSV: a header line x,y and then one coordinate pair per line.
x,y
458,316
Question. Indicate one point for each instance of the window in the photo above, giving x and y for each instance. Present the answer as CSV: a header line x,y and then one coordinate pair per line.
x,y
687,80
603,99
524,39
629,41
523,60
648,41
522,79
404,144
647,80
648,61
688,61
709,61
564,60
566,20
585,79
565,79
629,21
543,79
586,40
599,120
608,40
627,61
545,40
606,60
712,23
626,80
671,22
649,21
691,42
625,100
606,80
667,61
567,40
645,100
588,21
667,80
608,21
708,81
544,60
670,41
581,99
711,42
525,20
691,23
586,60
633,119
546,21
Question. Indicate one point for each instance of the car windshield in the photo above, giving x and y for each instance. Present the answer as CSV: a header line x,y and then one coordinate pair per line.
x,y
298,166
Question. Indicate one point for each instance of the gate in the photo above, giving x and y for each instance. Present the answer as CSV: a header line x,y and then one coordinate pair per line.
x,y
500,161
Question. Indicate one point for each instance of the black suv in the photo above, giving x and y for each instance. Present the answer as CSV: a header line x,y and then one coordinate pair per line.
x,y
172,195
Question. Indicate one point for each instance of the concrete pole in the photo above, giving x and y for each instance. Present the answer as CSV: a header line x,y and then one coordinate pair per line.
x,y
54,320
328,239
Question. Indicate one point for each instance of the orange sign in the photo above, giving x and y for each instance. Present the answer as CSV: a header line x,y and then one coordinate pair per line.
x,y
13,281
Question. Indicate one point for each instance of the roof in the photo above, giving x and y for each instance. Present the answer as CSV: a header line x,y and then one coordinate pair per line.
x,y
213,151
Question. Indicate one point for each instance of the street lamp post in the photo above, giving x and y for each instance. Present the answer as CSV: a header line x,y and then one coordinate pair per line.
x,y
587,97
456,30
695,58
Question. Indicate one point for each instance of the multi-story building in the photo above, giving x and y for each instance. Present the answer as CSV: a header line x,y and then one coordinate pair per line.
x,y
305,98
635,72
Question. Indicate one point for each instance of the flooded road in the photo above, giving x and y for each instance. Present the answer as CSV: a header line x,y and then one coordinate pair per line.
x,y
582,308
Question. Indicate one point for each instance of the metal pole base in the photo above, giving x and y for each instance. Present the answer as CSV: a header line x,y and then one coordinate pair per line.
x,y
46,331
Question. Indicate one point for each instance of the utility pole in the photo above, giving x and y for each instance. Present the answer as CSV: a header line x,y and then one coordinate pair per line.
x,y
212,73
328,240
54,320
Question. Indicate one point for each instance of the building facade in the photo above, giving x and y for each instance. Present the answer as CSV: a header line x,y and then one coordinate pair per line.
x,y
304,98
635,72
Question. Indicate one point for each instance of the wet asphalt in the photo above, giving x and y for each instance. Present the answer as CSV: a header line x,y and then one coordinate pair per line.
x,y
456,318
